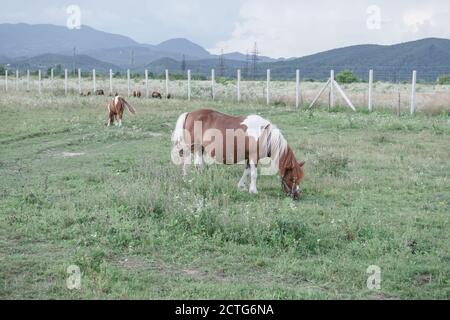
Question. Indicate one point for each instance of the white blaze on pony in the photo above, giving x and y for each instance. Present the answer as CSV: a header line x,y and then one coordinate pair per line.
x,y
233,140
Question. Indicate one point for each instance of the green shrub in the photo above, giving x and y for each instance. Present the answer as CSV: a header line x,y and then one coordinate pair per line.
x,y
443,79
346,76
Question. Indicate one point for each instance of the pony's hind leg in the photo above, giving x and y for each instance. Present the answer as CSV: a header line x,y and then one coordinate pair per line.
x,y
110,119
185,154
186,164
243,181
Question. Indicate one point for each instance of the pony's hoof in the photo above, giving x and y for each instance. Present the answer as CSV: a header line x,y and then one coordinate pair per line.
x,y
242,188
253,191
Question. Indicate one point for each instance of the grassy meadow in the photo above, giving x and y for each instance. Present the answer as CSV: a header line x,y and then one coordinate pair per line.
x,y
109,200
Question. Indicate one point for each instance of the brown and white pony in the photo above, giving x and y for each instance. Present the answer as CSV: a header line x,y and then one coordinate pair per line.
x,y
137,93
115,110
217,137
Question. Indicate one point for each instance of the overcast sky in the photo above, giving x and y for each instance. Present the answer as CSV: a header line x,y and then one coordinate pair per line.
x,y
282,28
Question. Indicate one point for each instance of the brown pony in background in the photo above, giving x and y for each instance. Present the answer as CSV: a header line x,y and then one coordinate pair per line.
x,y
115,110
156,95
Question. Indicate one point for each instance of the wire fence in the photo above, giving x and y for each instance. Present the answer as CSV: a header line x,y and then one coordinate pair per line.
x,y
392,90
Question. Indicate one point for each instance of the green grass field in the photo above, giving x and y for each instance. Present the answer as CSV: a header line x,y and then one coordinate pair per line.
x,y
109,200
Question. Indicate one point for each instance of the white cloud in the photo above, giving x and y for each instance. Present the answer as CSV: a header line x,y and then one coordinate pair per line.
x,y
287,28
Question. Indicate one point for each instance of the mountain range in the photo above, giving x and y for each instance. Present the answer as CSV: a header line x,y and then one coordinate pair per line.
x,y
26,46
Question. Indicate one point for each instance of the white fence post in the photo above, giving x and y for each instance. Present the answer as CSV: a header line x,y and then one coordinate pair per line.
x,y
297,88
17,80
268,87
6,80
79,80
146,83
51,78
332,89
413,92
110,81
39,81
128,81
370,89
65,81
94,80
167,83
239,85
213,76
189,84
28,80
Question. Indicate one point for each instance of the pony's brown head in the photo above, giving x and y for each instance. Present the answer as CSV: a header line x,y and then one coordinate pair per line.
x,y
291,179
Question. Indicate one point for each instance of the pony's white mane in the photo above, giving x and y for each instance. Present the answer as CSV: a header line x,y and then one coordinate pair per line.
x,y
276,145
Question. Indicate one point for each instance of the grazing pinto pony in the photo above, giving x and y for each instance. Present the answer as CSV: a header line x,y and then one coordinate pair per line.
x,y
115,110
100,92
232,140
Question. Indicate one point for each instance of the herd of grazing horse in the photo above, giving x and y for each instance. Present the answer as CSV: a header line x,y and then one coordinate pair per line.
x,y
226,139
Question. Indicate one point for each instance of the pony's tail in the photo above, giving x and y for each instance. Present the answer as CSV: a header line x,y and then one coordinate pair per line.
x,y
129,107
178,139
178,133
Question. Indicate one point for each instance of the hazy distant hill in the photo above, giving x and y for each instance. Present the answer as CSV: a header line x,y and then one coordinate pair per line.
x,y
51,60
202,67
135,57
243,57
30,40
182,46
25,40
42,45
430,57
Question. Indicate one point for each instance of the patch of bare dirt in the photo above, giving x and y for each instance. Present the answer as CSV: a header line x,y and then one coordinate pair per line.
x,y
72,154
424,278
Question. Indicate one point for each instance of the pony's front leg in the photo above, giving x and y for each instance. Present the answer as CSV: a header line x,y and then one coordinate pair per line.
x,y
253,176
243,181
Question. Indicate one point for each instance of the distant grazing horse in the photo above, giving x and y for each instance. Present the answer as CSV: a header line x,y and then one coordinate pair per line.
x,y
115,110
232,140
99,92
85,94
136,93
156,94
